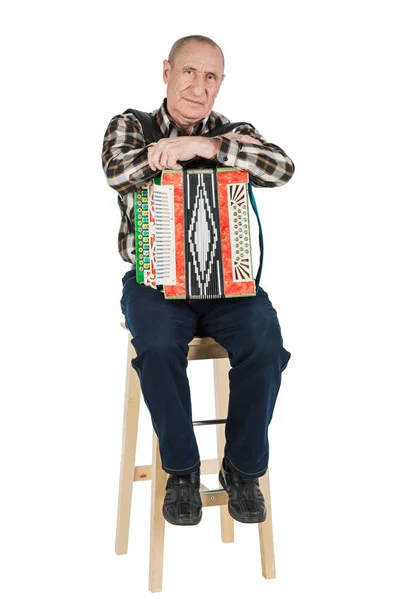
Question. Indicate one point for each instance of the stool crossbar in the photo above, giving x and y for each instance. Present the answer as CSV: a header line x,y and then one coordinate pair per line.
x,y
199,348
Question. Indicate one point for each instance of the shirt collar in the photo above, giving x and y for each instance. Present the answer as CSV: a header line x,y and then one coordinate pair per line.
x,y
166,122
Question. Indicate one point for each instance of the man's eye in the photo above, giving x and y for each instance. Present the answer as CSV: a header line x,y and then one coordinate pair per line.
x,y
212,76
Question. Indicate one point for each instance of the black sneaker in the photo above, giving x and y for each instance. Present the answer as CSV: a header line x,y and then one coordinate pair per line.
x,y
246,502
182,502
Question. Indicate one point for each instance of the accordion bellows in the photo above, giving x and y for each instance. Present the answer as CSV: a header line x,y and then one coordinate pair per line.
x,y
193,234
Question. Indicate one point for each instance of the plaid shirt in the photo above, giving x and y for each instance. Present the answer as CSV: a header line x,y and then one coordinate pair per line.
x,y
126,167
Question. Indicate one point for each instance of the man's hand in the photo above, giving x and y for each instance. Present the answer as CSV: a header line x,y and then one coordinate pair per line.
x,y
240,137
167,151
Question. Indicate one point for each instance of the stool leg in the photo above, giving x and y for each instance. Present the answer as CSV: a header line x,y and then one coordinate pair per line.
x,y
221,394
129,438
157,521
265,532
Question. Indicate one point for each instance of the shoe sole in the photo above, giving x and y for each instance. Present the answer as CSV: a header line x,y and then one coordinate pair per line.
x,y
235,516
180,522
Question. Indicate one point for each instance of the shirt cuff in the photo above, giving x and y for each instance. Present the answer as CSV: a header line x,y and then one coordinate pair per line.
x,y
228,151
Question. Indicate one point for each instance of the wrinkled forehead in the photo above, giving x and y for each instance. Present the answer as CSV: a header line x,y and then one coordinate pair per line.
x,y
202,57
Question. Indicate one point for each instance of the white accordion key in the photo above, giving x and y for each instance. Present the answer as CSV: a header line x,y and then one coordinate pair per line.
x,y
165,234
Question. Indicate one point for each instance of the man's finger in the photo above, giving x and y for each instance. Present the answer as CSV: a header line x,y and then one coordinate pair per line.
x,y
252,140
173,164
155,153
164,157
150,159
231,135
242,137
157,161
171,160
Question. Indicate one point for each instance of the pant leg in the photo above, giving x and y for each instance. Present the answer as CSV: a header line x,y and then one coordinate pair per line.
x,y
162,330
250,331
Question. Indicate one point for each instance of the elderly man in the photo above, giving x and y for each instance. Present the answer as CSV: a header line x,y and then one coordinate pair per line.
x,y
247,327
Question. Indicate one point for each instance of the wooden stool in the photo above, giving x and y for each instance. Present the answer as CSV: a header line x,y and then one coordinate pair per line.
x,y
199,348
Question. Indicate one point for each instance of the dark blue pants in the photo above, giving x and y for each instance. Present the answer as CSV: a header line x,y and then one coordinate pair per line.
x,y
248,328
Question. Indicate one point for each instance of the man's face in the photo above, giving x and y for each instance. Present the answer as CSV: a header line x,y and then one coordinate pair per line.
x,y
193,82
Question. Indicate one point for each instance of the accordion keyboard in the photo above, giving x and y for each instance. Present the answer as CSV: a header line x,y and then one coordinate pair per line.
x,y
163,227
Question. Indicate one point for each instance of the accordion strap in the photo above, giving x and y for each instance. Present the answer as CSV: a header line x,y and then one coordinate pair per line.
x,y
260,235
152,133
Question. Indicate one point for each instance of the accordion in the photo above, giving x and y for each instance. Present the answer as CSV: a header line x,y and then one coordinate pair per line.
x,y
192,231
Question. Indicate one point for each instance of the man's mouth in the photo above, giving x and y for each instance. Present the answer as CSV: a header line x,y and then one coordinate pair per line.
x,y
193,101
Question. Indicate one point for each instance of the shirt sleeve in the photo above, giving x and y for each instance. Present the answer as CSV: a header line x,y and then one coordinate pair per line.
x,y
267,164
124,155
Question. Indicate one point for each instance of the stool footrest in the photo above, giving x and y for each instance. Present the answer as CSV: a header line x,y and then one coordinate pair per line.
x,y
210,422
213,497
212,492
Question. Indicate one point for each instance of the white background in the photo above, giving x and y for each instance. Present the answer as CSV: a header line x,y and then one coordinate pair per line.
x,y
318,79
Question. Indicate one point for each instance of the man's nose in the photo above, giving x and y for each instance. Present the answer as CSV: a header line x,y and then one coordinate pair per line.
x,y
199,86
199,90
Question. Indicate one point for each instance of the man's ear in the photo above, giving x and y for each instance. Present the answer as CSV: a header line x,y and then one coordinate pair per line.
x,y
166,70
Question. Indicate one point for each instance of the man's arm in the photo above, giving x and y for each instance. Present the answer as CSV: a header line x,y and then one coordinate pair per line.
x,y
124,155
126,161
267,164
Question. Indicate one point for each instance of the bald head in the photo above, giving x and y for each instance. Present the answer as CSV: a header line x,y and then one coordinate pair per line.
x,y
182,42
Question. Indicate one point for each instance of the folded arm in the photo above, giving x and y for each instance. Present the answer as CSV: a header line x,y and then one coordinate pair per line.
x,y
267,164
124,155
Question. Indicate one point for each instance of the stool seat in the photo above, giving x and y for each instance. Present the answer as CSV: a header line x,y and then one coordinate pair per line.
x,y
199,348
